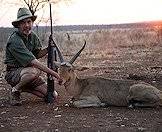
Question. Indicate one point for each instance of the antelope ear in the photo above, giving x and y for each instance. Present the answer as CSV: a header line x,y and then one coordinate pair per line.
x,y
80,68
58,64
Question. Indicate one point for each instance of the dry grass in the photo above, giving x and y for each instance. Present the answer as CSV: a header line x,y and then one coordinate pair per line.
x,y
102,43
130,46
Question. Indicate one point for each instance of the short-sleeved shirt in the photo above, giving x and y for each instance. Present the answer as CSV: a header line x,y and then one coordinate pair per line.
x,y
21,50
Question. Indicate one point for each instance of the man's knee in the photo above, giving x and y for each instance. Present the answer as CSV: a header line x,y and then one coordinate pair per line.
x,y
31,72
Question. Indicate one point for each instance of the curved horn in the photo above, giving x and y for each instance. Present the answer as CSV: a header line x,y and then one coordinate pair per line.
x,y
77,54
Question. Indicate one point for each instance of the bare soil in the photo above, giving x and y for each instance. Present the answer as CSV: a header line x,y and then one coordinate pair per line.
x,y
35,115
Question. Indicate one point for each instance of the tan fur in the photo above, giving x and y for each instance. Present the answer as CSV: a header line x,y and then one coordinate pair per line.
x,y
98,91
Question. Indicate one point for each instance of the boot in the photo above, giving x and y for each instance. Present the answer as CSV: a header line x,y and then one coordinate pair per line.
x,y
15,99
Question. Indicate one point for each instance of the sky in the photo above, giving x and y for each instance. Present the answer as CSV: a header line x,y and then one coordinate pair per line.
x,y
90,12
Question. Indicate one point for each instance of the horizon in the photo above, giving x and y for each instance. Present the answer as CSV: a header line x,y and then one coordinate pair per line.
x,y
153,24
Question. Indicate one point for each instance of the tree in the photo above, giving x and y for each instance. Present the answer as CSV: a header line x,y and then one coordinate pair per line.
x,y
35,5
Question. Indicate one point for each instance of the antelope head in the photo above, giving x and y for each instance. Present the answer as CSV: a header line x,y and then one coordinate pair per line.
x,y
66,69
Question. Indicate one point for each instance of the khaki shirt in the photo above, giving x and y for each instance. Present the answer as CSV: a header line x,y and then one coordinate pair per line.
x,y
20,50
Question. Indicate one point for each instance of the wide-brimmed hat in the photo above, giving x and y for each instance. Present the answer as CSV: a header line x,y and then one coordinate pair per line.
x,y
22,14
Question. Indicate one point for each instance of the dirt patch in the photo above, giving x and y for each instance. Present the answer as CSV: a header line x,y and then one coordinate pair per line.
x,y
35,115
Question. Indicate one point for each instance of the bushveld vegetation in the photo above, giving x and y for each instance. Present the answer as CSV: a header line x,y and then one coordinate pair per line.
x,y
102,43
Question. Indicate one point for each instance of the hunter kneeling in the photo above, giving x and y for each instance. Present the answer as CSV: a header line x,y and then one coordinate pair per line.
x,y
22,52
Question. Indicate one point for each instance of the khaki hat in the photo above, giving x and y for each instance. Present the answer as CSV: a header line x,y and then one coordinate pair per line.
x,y
22,14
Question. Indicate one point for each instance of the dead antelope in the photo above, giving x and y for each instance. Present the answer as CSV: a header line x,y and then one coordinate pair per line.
x,y
98,91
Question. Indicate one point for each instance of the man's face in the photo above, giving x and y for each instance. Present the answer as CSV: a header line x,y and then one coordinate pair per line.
x,y
25,26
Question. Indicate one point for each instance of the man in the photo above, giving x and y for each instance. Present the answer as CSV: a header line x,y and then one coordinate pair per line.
x,y
22,52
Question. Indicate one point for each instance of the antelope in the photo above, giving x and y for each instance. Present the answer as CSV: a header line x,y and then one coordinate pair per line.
x,y
99,91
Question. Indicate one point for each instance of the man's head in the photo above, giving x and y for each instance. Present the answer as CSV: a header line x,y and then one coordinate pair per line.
x,y
24,21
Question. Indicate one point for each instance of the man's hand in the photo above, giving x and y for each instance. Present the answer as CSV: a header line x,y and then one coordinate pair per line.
x,y
60,81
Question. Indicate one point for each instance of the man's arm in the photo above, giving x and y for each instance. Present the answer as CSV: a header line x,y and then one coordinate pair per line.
x,y
42,53
35,63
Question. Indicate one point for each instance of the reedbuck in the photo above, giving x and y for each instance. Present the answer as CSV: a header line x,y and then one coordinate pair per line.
x,y
98,91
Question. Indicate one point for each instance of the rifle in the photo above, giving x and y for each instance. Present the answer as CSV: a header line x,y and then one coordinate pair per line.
x,y
51,57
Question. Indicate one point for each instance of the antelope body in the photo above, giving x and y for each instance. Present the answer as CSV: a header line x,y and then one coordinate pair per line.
x,y
98,91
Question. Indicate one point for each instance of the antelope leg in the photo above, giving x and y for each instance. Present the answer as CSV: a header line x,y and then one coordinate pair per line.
x,y
89,101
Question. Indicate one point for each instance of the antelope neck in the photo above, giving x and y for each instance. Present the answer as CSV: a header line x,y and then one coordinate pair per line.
x,y
67,82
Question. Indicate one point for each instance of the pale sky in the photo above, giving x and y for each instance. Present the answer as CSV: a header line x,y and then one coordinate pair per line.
x,y
92,12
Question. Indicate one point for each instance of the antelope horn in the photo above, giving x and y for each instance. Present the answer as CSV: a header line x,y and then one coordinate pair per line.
x,y
77,54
